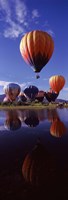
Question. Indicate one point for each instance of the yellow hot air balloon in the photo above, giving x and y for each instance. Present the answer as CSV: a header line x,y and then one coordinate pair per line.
x,y
57,82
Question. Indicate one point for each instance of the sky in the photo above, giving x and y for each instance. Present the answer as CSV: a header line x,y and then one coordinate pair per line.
x,y
16,19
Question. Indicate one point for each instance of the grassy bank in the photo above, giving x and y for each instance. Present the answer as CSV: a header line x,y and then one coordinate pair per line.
x,y
34,106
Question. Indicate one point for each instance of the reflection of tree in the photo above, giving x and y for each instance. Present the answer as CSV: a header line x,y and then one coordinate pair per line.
x,y
57,128
12,121
39,166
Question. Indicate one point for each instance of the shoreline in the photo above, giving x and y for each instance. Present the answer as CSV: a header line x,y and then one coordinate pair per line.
x,y
34,106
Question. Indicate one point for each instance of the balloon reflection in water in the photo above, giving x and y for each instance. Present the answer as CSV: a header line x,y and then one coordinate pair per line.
x,y
52,114
57,128
32,119
12,121
39,167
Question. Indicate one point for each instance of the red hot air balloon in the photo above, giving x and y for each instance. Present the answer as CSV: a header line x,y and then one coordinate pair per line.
x,y
57,82
36,48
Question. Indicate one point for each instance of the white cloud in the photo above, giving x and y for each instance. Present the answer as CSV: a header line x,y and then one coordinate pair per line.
x,y
17,18
4,6
14,18
3,83
46,24
14,30
50,32
21,11
24,85
35,14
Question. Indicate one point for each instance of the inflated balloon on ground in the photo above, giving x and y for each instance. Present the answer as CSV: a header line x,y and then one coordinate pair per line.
x,y
12,90
57,82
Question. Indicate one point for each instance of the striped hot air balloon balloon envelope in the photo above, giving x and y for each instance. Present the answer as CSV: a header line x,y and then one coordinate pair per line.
x,y
36,48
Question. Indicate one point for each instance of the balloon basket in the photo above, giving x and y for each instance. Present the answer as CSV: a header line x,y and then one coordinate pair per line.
x,y
37,76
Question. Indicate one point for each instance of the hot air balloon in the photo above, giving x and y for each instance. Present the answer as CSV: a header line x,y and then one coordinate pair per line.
x,y
31,92
22,97
12,121
57,128
40,95
38,167
36,48
52,114
12,90
51,95
6,100
31,120
57,82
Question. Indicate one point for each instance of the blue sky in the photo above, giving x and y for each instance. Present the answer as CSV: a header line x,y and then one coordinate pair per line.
x,y
19,17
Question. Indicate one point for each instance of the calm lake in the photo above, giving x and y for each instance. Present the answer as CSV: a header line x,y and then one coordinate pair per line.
x,y
34,154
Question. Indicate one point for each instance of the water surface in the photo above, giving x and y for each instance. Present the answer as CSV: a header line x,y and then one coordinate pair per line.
x,y
34,154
